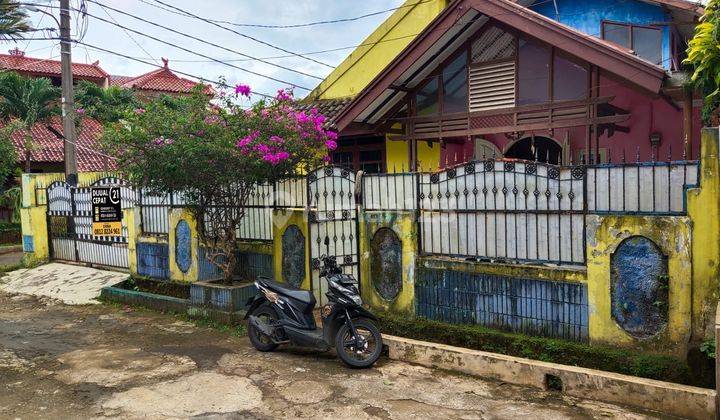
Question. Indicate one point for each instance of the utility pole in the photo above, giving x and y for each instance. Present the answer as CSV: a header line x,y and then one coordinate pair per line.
x,y
68,103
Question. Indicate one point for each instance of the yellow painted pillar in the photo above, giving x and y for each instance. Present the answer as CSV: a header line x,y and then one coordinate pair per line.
x,y
673,236
703,205
404,226
282,220
132,221
175,217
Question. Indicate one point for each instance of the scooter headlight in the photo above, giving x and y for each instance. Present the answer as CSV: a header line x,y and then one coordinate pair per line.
x,y
357,299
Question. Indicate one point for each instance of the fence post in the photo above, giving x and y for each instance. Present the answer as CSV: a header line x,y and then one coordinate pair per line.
x,y
717,363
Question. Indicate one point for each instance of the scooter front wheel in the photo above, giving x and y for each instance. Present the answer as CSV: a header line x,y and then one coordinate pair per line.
x,y
265,313
369,350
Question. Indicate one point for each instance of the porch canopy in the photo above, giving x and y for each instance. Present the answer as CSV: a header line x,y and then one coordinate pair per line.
x,y
461,21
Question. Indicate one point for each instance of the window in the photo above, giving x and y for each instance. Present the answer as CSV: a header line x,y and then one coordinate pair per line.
x,y
644,40
570,80
427,99
534,73
366,154
455,91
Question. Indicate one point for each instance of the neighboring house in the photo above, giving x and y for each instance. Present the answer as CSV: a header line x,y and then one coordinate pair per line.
x,y
157,82
46,154
562,81
16,61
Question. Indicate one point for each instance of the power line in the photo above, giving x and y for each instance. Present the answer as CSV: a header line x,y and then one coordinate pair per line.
x,y
104,6
200,55
188,14
298,25
202,79
130,36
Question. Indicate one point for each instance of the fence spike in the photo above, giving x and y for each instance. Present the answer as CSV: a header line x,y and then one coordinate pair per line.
x,y
652,154
623,155
609,156
637,155
684,154
669,156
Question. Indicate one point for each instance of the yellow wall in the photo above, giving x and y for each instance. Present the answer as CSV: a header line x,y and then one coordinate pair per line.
x,y
404,226
704,209
282,219
378,49
396,155
673,236
175,216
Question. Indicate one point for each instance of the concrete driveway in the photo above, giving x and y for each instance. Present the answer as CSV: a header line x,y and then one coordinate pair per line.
x,y
60,361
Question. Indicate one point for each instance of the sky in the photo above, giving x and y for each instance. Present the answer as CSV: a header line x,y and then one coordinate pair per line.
x,y
266,12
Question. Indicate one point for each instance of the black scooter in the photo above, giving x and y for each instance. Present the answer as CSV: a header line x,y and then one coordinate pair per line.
x,y
282,314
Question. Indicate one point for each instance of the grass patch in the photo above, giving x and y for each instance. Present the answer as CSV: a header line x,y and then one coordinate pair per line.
x,y
238,330
157,287
611,359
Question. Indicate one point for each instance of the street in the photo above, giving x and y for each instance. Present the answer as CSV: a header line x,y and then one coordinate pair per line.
x,y
60,361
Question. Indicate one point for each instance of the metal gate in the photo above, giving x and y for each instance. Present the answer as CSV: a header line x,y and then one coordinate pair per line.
x,y
70,225
332,221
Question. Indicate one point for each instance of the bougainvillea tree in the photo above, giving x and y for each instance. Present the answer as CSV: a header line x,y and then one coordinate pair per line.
x,y
214,151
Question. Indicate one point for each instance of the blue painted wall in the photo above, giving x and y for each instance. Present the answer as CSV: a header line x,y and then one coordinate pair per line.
x,y
250,265
153,260
530,306
587,16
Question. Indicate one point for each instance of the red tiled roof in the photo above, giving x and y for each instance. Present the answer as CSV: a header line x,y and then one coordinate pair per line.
x,y
48,147
119,80
160,80
46,67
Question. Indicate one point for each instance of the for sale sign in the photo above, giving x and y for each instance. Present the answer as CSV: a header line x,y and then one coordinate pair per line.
x,y
107,211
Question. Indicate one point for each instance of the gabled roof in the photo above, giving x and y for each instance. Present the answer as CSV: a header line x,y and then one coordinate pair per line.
x,y
160,80
47,144
17,61
465,17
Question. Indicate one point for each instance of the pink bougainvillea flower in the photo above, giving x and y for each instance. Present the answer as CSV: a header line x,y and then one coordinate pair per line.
x,y
331,135
80,111
331,144
243,90
284,95
327,159
277,139
139,111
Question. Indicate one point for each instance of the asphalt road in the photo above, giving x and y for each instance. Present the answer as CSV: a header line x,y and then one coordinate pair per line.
x,y
59,361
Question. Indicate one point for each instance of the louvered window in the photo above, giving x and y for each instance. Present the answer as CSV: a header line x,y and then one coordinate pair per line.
x,y
492,75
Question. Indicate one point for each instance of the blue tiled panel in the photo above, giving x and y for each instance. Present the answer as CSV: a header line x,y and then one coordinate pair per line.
x,y
28,243
153,260
250,265
530,306
207,270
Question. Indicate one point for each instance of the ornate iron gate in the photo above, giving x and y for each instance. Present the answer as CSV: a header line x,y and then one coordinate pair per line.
x,y
332,221
70,225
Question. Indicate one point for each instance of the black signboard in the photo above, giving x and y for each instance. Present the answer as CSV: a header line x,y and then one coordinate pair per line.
x,y
106,211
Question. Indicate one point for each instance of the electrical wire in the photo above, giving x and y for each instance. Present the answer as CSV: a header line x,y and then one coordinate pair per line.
x,y
193,38
297,25
194,16
275,79
130,36
201,79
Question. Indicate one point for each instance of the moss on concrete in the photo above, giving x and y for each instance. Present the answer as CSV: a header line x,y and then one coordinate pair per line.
x,y
628,362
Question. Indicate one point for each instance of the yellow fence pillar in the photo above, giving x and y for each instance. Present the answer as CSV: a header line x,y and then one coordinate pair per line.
x,y
184,246
33,219
132,221
282,220
703,205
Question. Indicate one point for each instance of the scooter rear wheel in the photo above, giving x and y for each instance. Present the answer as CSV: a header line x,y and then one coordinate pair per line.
x,y
260,341
359,357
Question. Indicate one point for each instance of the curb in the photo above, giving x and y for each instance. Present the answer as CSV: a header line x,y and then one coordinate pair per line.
x,y
674,399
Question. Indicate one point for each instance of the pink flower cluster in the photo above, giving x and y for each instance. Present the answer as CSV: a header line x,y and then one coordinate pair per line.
x,y
243,90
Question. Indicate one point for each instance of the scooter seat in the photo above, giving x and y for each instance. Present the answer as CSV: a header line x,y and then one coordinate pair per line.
x,y
304,296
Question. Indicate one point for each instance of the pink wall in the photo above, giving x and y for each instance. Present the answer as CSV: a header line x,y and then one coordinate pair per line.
x,y
647,116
